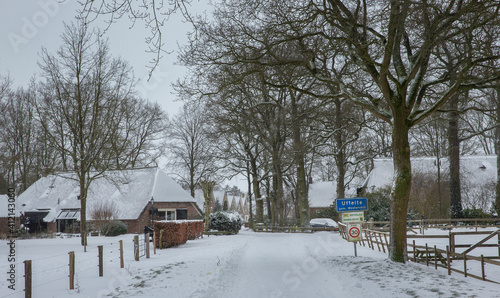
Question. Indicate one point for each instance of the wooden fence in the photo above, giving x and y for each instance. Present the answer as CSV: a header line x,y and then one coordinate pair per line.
x,y
291,229
432,256
282,229
424,224
444,258
31,271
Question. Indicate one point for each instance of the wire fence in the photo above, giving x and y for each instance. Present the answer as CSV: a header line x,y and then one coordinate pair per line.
x,y
55,269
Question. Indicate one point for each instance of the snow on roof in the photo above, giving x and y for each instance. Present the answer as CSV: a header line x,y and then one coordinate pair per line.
x,y
474,170
200,198
129,190
322,194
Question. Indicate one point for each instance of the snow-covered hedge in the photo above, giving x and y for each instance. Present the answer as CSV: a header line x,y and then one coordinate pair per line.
x,y
174,233
226,221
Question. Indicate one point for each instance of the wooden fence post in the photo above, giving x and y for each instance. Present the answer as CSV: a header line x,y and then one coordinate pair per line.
x,y
448,259
414,252
482,267
146,239
71,270
154,242
498,234
27,279
99,249
435,258
380,238
465,265
387,244
121,254
426,255
136,247
452,242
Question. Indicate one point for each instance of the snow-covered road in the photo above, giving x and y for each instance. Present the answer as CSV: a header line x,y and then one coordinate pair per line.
x,y
245,265
294,265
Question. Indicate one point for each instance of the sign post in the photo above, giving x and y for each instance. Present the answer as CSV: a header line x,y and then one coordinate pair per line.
x,y
353,216
351,204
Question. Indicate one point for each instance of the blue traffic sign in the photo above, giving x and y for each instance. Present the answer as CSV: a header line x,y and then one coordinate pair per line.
x,y
352,204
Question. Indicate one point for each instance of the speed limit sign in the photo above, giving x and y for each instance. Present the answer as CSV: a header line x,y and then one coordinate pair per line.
x,y
354,233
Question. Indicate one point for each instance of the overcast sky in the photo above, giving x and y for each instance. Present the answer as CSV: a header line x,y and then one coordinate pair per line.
x,y
27,26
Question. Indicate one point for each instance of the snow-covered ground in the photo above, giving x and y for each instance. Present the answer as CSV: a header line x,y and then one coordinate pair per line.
x,y
245,265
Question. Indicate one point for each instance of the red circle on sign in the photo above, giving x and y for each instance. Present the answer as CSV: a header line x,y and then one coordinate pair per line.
x,y
354,232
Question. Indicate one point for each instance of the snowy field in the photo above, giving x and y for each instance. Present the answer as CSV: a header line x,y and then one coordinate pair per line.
x,y
245,265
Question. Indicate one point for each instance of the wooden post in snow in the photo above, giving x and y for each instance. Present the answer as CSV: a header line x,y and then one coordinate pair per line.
x,y
448,261
71,270
27,279
99,249
136,247
146,239
121,254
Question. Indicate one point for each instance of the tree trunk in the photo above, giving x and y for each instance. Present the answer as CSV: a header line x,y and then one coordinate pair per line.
x,y
207,188
83,209
269,200
400,193
340,156
298,146
454,153
497,152
259,201
249,184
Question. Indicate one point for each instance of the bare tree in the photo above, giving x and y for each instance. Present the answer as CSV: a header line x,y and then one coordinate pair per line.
x,y
81,96
191,147
25,154
153,14
140,134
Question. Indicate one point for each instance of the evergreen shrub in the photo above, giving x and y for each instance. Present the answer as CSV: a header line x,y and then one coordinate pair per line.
x,y
226,221
114,228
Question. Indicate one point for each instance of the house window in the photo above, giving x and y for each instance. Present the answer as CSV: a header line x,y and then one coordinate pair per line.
x,y
182,214
168,214
171,214
161,215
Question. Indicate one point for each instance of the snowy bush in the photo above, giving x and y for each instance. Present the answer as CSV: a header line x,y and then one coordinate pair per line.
x,y
114,228
226,221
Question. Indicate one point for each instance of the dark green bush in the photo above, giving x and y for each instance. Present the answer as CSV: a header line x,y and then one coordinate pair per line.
x,y
475,213
378,206
225,221
114,228
327,213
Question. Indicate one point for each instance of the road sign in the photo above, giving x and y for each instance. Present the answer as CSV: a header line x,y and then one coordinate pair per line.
x,y
354,233
353,217
352,204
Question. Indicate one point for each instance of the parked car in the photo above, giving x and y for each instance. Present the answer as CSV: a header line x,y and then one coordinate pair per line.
x,y
323,223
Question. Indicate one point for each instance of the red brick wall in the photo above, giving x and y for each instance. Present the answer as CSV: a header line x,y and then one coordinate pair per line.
x,y
137,226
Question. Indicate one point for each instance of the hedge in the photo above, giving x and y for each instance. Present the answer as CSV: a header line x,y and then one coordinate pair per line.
x,y
177,232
